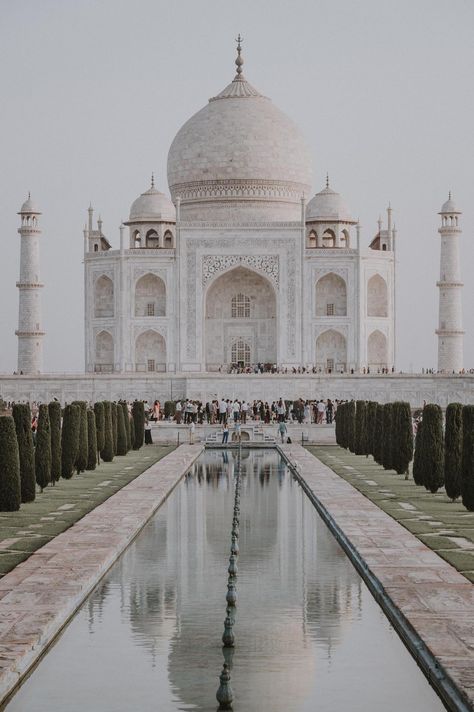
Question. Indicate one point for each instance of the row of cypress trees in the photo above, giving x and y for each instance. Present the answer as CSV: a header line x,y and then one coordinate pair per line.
x,y
85,437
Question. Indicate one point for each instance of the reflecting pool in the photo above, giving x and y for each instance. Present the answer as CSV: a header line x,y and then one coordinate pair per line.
x,y
309,635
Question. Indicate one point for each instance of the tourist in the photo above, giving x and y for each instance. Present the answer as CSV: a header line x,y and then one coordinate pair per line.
x,y
329,412
321,411
237,431
282,429
243,411
236,410
178,411
225,433
148,438
222,412
192,428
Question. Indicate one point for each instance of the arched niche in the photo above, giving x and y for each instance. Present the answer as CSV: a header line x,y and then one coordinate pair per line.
x,y
150,296
377,350
377,296
331,351
331,296
168,239
104,352
345,238
240,305
136,239
103,297
152,240
150,351
329,238
312,238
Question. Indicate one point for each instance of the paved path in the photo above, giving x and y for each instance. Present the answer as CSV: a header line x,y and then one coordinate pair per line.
x,y
40,595
434,598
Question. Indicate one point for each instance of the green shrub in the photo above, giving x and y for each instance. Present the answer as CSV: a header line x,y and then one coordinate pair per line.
x,y
91,440
433,447
132,431
360,443
138,414
54,409
121,432
418,456
99,425
126,422
83,447
467,481
371,426
349,425
402,450
107,453
338,429
170,409
114,426
10,482
453,450
379,435
43,449
69,440
22,417
387,436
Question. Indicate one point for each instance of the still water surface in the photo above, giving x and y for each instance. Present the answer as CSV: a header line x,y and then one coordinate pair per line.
x,y
309,635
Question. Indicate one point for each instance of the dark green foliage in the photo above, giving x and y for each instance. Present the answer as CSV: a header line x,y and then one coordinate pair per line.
x,y
433,447
100,425
387,436
91,440
114,426
350,426
371,426
453,450
83,448
43,449
121,432
378,435
360,442
338,424
10,483
132,431
107,452
467,481
170,409
418,456
22,417
138,415
402,450
54,409
70,440
126,422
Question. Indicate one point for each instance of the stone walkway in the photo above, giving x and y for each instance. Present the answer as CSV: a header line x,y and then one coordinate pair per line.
x,y
434,599
57,508
39,596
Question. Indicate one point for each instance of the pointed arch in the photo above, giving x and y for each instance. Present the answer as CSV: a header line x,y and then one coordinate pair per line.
x,y
168,239
377,350
151,239
150,351
312,238
331,351
377,296
104,352
331,295
329,238
103,297
136,239
150,296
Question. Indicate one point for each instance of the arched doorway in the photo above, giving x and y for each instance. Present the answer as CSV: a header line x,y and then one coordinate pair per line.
x,y
377,350
331,296
331,352
240,320
104,352
150,352
103,297
150,296
377,296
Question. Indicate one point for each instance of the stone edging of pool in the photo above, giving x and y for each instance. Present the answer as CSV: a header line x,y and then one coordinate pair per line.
x,y
429,603
40,595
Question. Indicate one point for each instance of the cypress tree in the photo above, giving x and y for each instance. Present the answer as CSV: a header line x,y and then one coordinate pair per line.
x,y
69,440
387,436
114,426
132,431
91,440
350,426
107,453
43,449
10,482
418,456
467,481
337,428
453,450
121,433
138,414
54,410
83,448
403,446
371,426
126,421
360,443
22,417
99,426
379,435
433,447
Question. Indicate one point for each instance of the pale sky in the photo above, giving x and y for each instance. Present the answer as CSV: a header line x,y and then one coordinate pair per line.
x,y
94,91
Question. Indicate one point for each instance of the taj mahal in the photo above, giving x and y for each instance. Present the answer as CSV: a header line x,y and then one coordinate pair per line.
x,y
240,269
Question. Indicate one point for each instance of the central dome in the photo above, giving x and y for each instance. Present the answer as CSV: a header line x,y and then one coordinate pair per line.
x,y
239,151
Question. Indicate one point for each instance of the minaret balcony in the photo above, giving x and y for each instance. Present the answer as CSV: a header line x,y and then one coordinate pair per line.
x,y
29,333
29,285
449,332
449,284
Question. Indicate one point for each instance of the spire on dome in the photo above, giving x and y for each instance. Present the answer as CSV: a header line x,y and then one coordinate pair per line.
x,y
239,61
152,180
327,180
449,195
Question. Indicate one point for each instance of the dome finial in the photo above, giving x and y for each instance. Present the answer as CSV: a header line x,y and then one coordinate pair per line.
x,y
29,195
449,194
239,61
327,180
152,180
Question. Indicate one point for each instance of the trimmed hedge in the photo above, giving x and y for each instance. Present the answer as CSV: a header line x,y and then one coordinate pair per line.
x,y
121,432
467,481
453,450
91,441
378,435
99,426
114,426
402,450
387,436
418,473
170,409
107,452
43,449
138,415
126,421
360,443
371,426
54,410
22,417
433,448
69,440
10,482
83,448
349,425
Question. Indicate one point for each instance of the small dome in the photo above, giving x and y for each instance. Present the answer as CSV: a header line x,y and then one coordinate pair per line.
x,y
154,206
328,206
449,206
29,207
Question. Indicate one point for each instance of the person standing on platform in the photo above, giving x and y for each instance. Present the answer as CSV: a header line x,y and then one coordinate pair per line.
x,y
148,438
225,433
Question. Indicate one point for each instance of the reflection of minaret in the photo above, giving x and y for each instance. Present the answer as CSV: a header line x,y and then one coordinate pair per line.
x,y
29,332
450,332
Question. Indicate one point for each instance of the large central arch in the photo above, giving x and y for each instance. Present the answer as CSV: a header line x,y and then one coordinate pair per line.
x,y
240,308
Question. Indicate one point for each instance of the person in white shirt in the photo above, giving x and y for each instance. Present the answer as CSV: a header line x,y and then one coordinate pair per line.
x,y
236,410
178,411
243,411
222,412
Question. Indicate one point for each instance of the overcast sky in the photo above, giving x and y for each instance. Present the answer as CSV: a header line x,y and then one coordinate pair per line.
x,y
93,92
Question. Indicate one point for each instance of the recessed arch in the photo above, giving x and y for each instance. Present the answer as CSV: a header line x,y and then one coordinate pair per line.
x,y
331,351
104,352
136,239
168,239
150,296
312,238
329,238
151,239
377,350
103,297
150,351
345,238
331,295
377,296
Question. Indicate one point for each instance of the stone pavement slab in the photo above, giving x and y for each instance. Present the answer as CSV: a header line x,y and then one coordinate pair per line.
x,y
435,600
41,594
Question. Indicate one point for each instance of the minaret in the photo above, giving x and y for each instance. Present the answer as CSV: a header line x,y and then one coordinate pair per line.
x,y
450,332
30,334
